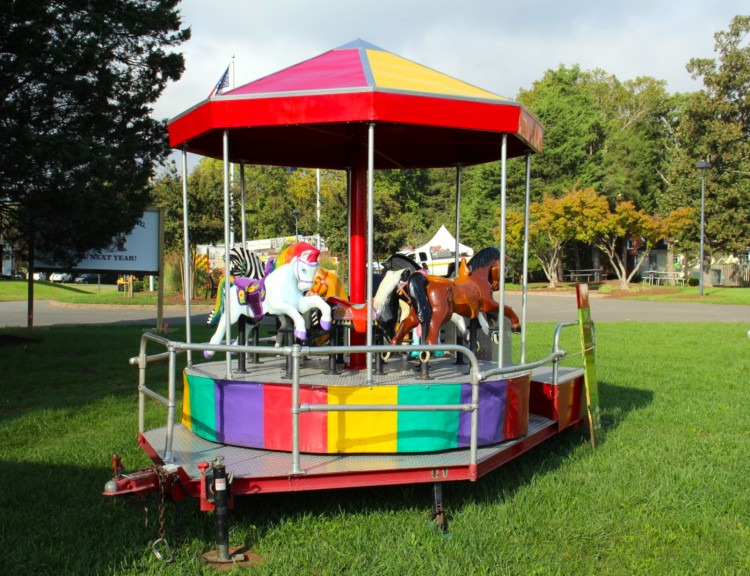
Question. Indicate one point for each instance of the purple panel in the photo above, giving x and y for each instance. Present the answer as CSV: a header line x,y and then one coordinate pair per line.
x,y
491,414
239,413
334,69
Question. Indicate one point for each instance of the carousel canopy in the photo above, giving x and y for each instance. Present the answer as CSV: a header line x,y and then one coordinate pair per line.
x,y
316,113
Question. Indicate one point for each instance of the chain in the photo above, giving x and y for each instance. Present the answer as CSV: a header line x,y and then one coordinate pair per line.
x,y
165,555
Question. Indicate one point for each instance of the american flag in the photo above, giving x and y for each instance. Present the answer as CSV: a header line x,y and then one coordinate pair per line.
x,y
221,84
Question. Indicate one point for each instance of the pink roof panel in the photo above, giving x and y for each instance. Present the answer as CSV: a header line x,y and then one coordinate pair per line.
x,y
336,69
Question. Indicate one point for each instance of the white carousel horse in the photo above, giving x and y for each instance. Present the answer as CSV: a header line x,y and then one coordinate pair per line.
x,y
281,291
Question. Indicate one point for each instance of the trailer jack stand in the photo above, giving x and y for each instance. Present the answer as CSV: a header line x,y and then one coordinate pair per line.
x,y
438,509
224,558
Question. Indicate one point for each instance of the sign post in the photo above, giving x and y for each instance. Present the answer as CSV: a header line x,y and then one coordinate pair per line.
x,y
589,361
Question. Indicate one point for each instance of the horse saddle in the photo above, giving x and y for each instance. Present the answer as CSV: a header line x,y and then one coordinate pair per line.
x,y
345,313
251,293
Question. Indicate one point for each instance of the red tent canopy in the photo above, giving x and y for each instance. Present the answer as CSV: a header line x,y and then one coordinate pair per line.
x,y
316,113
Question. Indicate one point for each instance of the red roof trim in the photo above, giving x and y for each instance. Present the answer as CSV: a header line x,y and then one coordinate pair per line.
x,y
220,114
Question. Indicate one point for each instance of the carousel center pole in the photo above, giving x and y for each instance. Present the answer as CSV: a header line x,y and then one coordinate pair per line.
x,y
358,246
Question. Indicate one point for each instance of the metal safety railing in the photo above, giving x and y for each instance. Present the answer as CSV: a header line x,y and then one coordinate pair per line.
x,y
296,352
557,349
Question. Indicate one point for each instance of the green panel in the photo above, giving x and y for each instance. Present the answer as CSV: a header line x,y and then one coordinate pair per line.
x,y
203,406
425,431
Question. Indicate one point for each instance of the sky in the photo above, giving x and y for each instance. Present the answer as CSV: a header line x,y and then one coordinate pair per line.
x,y
500,45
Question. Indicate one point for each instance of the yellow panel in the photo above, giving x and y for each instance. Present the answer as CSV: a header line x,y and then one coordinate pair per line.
x,y
393,72
186,421
362,431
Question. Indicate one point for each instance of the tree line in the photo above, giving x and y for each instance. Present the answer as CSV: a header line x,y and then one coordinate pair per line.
x,y
83,156
617,169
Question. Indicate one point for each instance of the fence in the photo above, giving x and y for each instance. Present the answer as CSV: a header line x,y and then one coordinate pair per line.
x,y
735,275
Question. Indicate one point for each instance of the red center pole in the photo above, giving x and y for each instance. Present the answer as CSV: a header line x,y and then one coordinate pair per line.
x,y
358,248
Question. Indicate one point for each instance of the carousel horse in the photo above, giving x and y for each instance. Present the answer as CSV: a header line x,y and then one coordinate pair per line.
x,y
385,304
484,270
282,291
328,284
435,301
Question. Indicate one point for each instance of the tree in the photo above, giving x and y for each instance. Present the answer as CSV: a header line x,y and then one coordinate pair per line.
x,y
79,145
575,130
166,193
593,222
550,226
714,126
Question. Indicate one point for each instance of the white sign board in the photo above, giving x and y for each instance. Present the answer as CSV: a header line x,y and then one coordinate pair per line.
x,y
134,252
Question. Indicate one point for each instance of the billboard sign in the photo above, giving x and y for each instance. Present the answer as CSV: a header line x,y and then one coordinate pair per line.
x,y
137,251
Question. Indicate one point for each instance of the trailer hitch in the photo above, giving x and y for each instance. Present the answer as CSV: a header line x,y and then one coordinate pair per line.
x,y
137,483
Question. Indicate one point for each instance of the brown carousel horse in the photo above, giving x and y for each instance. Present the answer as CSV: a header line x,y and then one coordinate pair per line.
x,y
484,270
436,300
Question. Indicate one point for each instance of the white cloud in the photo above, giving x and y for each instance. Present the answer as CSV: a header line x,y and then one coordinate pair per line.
x,y
499,45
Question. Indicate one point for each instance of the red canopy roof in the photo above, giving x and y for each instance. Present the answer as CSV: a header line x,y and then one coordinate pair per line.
x,y
316,114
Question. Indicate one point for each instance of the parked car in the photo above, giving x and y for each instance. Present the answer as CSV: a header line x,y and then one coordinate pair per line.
x,y
40,276
87,279
61,277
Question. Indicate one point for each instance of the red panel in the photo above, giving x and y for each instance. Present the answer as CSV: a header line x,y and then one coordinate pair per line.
x,y
517,408
335,69
278,418
249,112
354,107
564,402
448,113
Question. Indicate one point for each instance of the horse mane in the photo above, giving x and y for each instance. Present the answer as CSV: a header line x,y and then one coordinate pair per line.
x,y
288,253
387,286
400,262
213,317
484,258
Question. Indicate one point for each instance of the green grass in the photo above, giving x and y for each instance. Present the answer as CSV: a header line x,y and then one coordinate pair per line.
x,y
711,295
665,492
17,290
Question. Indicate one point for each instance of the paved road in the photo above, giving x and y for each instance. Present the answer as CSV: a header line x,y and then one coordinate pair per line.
x,y
540,308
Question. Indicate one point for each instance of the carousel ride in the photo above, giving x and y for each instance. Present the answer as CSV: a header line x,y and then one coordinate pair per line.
x,y
316,413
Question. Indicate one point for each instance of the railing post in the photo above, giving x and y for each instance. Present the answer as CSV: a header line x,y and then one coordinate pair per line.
x,y
296,354
168,456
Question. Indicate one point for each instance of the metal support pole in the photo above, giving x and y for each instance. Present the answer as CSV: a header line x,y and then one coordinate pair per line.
x,y
503,182
703,165
296,354
459,170
227,243
186,244
525,292
370,210
703,231
242,199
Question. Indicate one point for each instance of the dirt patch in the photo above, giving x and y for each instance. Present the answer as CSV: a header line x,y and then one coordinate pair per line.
x,y
636,292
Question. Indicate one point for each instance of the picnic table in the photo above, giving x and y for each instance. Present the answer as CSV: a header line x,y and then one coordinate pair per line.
x,y
663,278
589,275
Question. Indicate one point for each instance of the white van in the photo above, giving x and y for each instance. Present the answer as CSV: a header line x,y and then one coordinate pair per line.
x,y
437,262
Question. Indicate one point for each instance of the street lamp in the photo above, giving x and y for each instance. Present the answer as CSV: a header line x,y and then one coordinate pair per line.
x,y
702,165
296,213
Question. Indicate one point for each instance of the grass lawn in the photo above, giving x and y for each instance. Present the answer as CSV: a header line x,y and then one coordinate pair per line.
x,y
14,290
17,290
665,492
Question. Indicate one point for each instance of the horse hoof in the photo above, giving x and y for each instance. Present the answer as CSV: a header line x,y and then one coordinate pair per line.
x,y
325,324
300,334
207,354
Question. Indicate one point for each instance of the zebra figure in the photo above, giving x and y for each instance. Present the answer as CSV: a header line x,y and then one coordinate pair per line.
x,y
244,262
